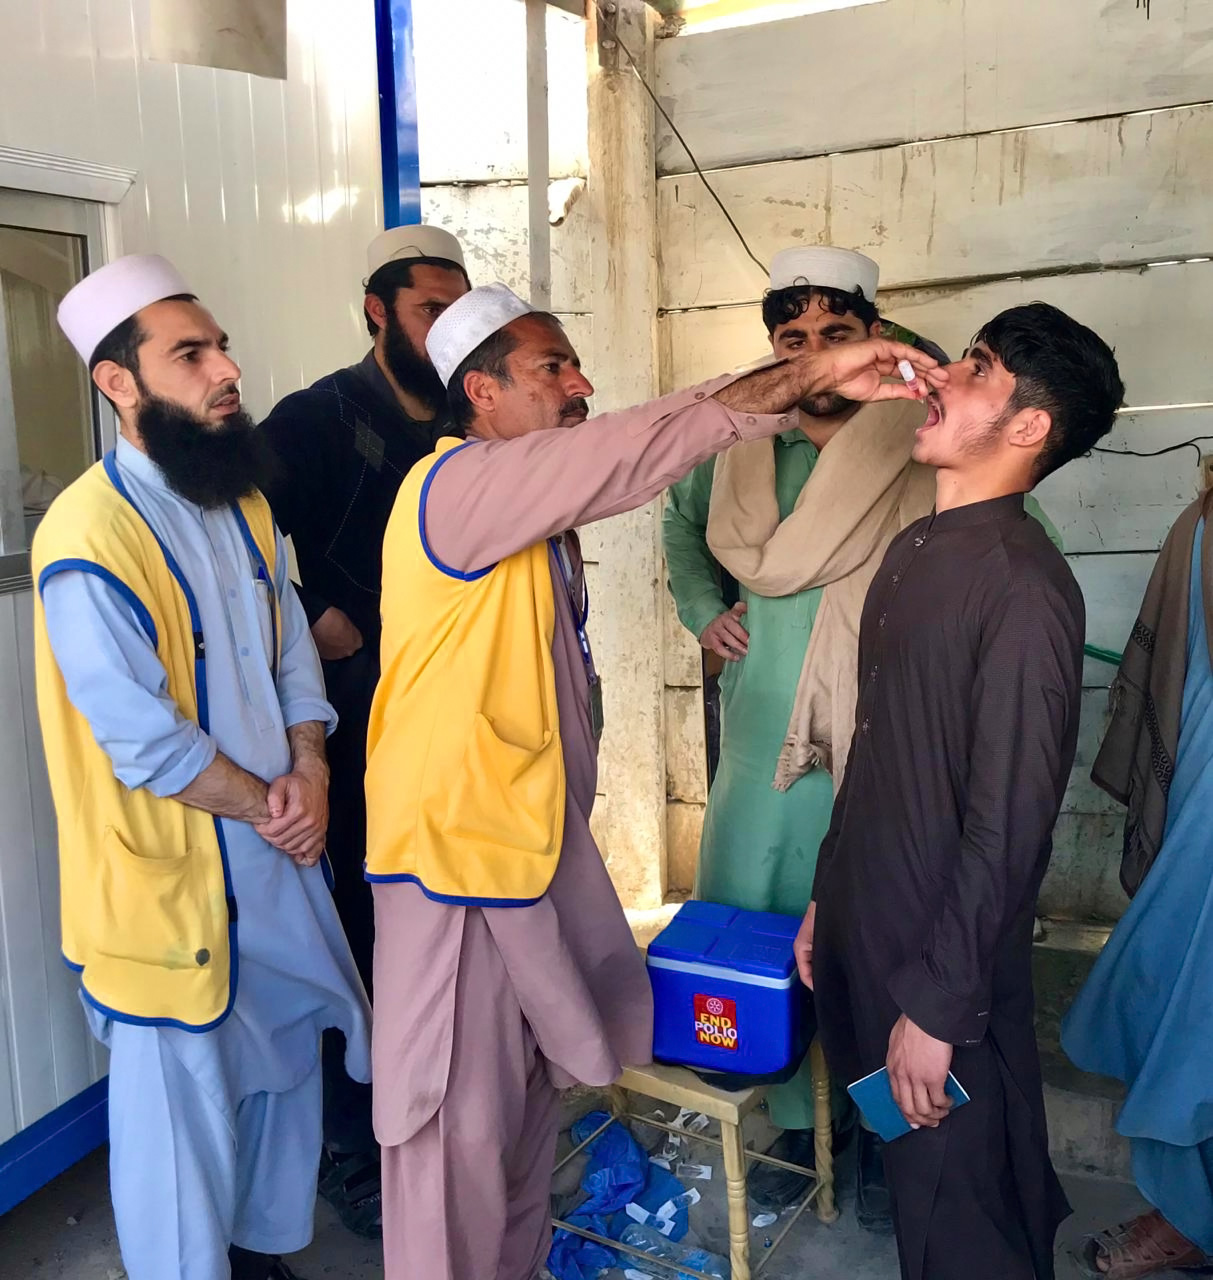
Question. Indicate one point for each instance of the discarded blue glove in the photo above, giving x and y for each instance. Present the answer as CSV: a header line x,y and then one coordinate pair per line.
x,y
660,1187
573,1258
618,1174
617,1169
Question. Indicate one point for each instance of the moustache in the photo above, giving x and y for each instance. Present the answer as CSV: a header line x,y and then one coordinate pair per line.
x,y
572,407
229,389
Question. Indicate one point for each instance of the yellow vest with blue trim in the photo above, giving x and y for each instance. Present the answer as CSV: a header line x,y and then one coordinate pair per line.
x,y
146,903
465,781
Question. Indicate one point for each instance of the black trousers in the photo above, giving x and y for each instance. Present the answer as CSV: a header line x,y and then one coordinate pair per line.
x,y
350,685
977,1196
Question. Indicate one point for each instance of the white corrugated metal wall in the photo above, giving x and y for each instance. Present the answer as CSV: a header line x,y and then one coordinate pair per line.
x,y
265,193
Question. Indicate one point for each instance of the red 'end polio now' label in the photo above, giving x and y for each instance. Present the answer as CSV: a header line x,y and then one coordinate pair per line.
x,y
716,1022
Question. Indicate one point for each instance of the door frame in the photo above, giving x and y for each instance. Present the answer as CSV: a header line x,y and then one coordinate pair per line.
x,y
64,196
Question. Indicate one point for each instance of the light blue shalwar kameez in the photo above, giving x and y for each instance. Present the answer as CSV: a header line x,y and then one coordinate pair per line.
x,y
215,1137
1145,1015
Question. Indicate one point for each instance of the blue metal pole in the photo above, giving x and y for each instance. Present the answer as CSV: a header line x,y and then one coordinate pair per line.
x,y
398,113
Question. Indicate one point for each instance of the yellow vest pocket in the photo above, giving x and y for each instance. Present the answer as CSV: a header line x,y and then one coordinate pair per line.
x,y
504,809
170,929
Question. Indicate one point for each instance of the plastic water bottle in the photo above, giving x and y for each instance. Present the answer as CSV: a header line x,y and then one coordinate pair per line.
x,y
652,1242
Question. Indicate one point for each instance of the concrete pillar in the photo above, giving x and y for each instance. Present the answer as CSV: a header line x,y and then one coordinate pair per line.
x,y
626,623
539,235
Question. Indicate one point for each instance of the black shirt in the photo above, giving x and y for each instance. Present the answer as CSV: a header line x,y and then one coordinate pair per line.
x,y
343,446
970,676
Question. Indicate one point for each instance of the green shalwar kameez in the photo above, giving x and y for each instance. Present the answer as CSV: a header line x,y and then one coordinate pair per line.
x,y
759,846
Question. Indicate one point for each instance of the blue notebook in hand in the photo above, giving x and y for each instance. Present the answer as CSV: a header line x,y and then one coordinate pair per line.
x,y
873,1095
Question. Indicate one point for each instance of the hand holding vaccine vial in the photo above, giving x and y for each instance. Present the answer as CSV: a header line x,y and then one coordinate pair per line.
x,y
909,377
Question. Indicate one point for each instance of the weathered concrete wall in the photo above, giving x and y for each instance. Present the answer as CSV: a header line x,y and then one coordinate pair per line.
x,y
914,133
983,154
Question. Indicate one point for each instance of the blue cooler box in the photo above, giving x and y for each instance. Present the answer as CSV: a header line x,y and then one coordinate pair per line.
x,y
726,993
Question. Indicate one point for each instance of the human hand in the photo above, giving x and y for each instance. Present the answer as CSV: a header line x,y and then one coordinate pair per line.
x,y
299,813
726,635
857,370
335,635
802,947
918,1071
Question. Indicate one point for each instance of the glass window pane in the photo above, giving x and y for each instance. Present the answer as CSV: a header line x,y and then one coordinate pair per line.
x,y
52,402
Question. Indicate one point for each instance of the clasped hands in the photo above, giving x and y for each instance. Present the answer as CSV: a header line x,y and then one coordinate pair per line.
x,y
918,1064
298,807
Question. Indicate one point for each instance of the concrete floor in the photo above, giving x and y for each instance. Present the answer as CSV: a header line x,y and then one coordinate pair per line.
x,y
66,1232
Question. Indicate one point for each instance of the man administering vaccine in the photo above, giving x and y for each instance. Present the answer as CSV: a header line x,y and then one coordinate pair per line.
x,y
504,965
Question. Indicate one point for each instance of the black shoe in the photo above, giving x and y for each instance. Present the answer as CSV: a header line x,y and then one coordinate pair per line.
x,y
280,1271
772,1188
247,1265
873,1208
351,1183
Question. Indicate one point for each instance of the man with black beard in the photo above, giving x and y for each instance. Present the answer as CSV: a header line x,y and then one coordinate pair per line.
x,y
342,446
184,719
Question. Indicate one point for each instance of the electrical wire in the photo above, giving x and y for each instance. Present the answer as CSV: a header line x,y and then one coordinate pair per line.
x,y
609,19
1194,443
1092,651
610,22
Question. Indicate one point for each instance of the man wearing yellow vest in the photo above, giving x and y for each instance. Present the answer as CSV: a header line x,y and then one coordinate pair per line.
x,y
184,719
504,967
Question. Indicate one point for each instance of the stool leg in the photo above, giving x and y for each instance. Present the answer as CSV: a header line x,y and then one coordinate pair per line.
x,y
617,1101
823,1135
739,1218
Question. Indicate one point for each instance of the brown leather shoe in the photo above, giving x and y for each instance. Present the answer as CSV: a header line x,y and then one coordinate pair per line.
x,y
1144,1247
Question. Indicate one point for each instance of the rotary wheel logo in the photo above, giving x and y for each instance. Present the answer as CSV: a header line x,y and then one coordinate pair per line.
x,y
715,1006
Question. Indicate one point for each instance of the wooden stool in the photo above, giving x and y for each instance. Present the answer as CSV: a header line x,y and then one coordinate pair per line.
x,y
682,1088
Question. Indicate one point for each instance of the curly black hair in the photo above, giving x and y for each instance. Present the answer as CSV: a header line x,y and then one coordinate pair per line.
x,y
782,306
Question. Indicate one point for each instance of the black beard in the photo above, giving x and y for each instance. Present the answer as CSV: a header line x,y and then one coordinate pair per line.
x,y
211,466
829,405
411,369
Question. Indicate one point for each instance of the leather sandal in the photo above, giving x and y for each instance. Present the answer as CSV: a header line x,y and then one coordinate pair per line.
x,y
1144,1247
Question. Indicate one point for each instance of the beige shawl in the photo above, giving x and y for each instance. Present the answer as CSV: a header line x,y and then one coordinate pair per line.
x,y
862,492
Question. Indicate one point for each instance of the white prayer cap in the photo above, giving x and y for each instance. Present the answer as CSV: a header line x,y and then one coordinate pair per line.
x,y
465,324
113,293
826,268
399,243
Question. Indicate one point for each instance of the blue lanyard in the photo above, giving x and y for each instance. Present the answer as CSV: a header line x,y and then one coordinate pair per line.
x,y
581,613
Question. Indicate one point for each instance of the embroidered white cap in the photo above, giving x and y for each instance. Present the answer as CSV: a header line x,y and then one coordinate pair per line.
x,y
113,293
827,268
421,241
465,324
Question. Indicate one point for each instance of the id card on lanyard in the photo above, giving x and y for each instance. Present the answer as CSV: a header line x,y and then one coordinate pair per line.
x,y
581,614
